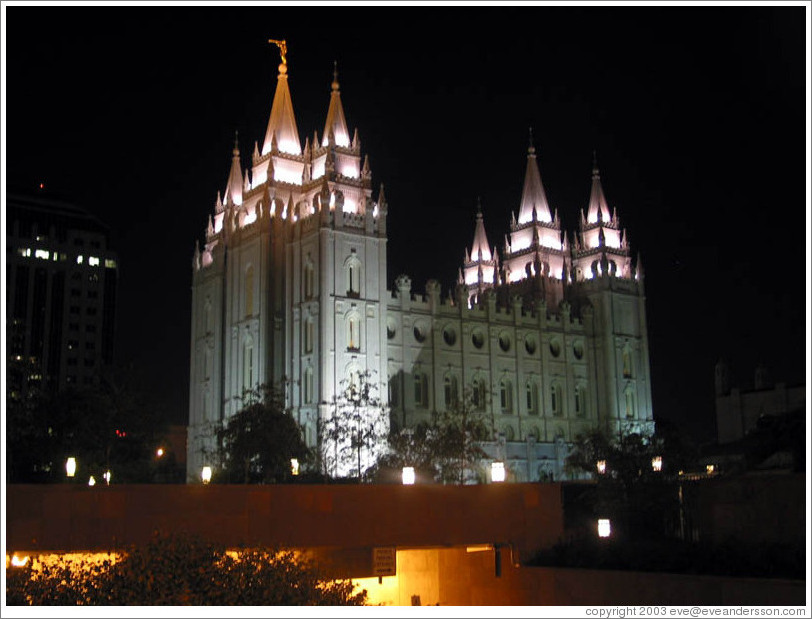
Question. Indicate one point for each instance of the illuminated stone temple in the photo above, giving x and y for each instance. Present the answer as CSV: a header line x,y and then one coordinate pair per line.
x,y
547,338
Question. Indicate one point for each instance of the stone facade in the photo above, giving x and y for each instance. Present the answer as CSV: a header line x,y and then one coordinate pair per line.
x,y
290,288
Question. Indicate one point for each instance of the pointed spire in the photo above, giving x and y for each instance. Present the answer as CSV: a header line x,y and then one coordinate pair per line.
x,y
480,250
356,143
534,198
282,122
381,198
598,209
218,204
336,125
235,180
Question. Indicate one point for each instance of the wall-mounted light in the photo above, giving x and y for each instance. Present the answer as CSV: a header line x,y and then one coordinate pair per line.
x,y
294,466
407,474
657,464
205,474
710,469
70,466
91,481
604,527
497,471
601,466
159,452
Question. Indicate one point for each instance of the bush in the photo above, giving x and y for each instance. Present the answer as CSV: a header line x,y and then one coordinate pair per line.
x,y
181,570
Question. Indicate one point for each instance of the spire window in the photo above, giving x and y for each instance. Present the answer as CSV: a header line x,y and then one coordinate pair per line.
x,y
248,365
421,390
556,404
307,389
531,397
353,272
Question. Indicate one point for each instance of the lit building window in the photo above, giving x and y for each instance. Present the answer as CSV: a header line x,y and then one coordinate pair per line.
x,y
25,252
109,263
353,333
93,261
604,527
80,259
248,366
42,254
629,404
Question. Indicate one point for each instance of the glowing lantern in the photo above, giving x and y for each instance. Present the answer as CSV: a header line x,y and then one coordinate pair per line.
x,y
159,452
657,464
70,466
205,474
294,466
408,475
91,481
497,471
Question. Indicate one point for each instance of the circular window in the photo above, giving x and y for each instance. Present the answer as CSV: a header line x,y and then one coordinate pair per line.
x,y
449,336
578,350
390,329
530,344
478,338
504,341
419,333
555,348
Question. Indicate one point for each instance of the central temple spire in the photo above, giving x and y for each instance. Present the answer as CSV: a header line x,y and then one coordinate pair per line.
x,y
282,124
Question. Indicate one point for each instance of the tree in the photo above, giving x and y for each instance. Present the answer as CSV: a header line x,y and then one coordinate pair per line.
x,y
106,427
449,448
257,443
182,569
353,437
641,499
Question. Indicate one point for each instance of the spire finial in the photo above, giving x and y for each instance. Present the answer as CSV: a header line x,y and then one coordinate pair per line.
x,y
479,206
236,150
335,75
283,52
531,150
595,173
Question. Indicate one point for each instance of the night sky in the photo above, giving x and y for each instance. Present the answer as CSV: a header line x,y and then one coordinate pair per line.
x,y
697,115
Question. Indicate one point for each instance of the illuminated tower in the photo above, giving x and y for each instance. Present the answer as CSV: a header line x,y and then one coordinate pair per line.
x,y
480,270
606,281
534,250
288,284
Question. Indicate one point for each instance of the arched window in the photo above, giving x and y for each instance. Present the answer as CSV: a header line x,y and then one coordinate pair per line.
x,y
248,365
580,401
353,278
531,397
353,333
421,390
506,395
451,391
556,405
249,291
207,365
307,389
627,362
630,412
478,394
394,390
308,278
308,335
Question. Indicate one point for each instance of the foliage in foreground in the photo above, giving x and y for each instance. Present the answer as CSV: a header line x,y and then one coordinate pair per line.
x,y
182,570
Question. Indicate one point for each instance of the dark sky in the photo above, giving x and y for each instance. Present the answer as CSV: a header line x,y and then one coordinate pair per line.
x,y
697,115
